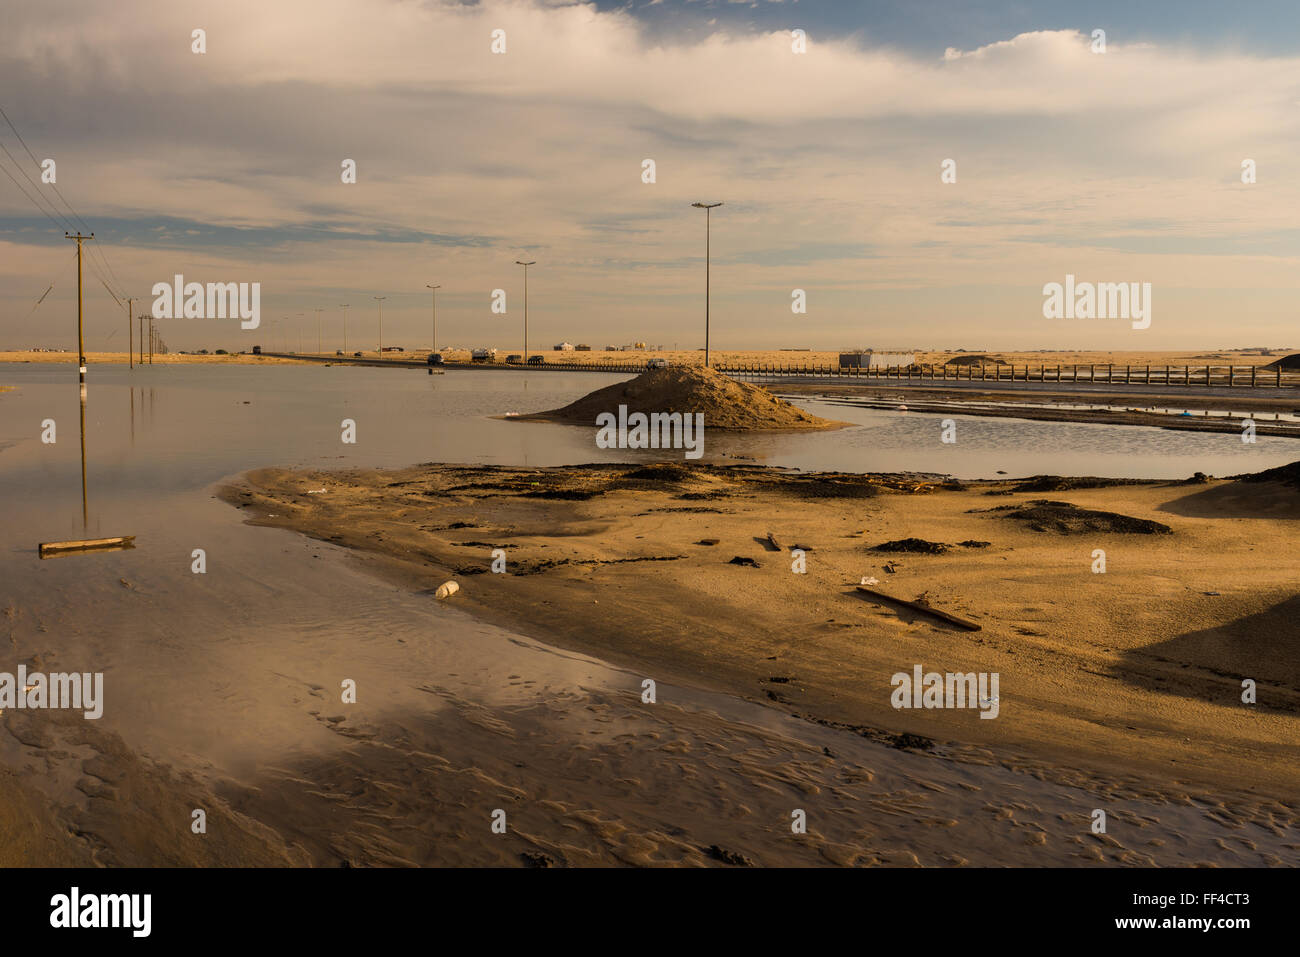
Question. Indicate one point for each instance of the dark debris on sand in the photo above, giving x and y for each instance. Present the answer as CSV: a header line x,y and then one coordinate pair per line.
x,y
918,545
1047,516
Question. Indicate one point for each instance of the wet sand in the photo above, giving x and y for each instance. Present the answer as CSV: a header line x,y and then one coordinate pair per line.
x,y
1123,686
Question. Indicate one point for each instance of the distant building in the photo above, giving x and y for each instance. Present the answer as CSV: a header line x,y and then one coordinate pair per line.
x,y
876,360
564,347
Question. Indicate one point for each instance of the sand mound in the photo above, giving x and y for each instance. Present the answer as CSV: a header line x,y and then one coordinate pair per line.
x,y
724,402
974,360
1286,474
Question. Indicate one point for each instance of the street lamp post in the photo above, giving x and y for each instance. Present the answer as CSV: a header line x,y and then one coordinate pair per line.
x,y
531,262
319,348
344,305
434,292
301,348
381,299
708,208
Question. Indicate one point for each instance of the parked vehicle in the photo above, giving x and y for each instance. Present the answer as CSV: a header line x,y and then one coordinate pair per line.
x,y
483,355
356,355
435,359
338,352
514,359
657,364
257,350
536,360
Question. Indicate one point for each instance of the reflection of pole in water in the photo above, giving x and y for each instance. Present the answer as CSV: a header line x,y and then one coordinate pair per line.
x,y
85,519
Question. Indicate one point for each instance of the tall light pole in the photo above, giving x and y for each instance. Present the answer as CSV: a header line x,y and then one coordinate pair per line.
x,y
381,323
301,348
345,325
319,347
708,208
531,262
434,291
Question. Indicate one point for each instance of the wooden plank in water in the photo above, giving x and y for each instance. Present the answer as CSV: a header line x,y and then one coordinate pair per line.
x,y
926,609
52,549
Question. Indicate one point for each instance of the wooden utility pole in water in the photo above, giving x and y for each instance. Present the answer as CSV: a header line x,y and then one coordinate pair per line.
x,y
81,346
130,346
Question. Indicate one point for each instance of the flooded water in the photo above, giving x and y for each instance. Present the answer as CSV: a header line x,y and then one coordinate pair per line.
x,y
231,678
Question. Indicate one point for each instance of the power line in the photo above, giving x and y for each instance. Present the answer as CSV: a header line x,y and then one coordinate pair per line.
x,y
39,207
55,186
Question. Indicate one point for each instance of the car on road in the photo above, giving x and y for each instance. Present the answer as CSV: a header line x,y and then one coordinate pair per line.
x,y
356,355
657,364
338,352
435,359
514,359
537,360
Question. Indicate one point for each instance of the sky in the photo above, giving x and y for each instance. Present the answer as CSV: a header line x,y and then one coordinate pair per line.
x,y
1114,164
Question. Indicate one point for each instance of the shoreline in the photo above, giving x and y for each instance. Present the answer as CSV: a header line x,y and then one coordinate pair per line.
x,y
121,358
1089,699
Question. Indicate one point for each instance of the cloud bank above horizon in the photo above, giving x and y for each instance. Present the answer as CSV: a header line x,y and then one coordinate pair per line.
x,y
1121,166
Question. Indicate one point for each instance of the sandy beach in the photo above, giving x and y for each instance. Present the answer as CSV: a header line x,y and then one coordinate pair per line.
x,y
1127,682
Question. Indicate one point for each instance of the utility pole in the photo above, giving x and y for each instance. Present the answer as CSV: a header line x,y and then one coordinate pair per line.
x,y
434,347
319,348
345,326
301,348
526,265
141,321
151,338
81,347
130,346
381,323
708,212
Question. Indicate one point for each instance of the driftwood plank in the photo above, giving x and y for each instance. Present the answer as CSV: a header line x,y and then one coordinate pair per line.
x,y
926,609
48,549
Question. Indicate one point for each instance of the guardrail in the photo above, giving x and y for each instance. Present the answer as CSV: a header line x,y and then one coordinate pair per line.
x,y
1230,376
